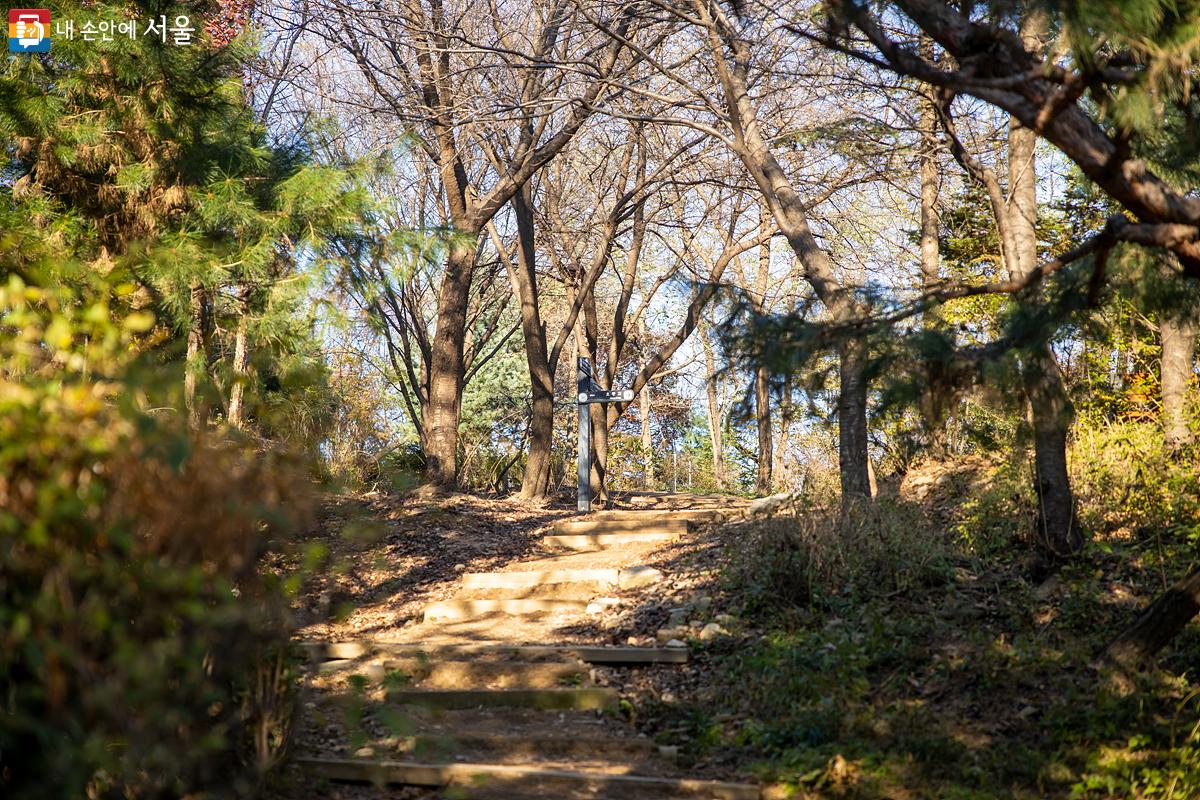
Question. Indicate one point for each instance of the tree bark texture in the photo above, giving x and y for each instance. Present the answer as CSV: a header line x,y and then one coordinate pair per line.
x,y
196,363
762,382
1158,624
1178,376
762,417
853,457
715,432
446,369
241,363
933,402
647,440
536,480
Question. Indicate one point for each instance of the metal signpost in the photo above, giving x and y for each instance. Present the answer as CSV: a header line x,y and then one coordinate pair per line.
x,y
590,393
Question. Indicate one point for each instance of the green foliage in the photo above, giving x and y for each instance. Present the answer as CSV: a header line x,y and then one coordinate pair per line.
x,y
972,683
144,162
1129,485
141,650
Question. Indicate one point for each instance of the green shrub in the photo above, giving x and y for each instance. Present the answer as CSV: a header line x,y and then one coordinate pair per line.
x,y
142,653
1127,481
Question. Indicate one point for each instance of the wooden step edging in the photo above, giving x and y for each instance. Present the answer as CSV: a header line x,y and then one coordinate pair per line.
x,y
431,673
481,775
587,699
329,651
552,745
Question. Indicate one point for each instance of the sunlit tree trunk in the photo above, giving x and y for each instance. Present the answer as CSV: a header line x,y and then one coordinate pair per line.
x,y
762,418
762,383
1051,409
536,481
196,363
786,411
647,440
241,364
446,366
1178,351
933,404
714,411
791,216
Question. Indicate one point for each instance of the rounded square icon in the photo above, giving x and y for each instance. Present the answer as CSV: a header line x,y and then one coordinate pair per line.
x,y
29,30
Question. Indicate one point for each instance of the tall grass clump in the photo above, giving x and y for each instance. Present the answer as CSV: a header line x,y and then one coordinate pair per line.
x,y
821,556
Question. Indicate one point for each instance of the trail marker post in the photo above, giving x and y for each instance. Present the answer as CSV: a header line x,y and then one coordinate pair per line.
x,y
589,392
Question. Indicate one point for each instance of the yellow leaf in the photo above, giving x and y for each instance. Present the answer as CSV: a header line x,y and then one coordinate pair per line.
x,y
139,321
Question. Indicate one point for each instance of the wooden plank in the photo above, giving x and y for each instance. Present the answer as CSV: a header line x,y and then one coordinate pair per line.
x,y
487,776
587,654
589,699
511,749
429,673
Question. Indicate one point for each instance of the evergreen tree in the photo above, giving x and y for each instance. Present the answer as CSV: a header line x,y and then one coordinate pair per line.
x,y
147,164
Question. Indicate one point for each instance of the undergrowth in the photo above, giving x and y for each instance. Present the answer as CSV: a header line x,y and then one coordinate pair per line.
x,y
903,652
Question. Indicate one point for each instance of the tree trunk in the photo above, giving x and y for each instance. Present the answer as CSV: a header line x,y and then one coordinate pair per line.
x,y
1178,349
779,471
647,441
1057,522
853,458
762,416
1058,525
535,484
241,362
446,366
1158,624
597,412
933,405
791,216
762,378
196,363
714,411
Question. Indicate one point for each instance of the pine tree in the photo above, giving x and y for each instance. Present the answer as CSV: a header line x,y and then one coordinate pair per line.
x,y
147,164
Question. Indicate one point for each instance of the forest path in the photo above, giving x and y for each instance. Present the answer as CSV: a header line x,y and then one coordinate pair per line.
x,y
498,692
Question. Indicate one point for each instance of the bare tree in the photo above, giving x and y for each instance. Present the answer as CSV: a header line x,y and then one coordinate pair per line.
x,y
466,81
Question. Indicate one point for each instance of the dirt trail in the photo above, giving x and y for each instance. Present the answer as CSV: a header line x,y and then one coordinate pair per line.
x,y
492,695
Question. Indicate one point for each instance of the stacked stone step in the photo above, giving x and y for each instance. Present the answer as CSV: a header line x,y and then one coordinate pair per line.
x,y
451,746
571,743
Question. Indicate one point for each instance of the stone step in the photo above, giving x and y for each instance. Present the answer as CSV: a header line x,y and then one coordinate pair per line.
x,y
677,527
585,699
528,580
592,541
476,651
467,609
427,674
696,515
628,578
483,780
